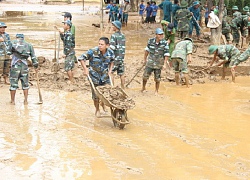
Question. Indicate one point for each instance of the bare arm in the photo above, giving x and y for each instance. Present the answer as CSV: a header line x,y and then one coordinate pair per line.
x,y
145,57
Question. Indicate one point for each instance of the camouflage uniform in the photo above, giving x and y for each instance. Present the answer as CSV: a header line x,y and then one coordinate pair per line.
x,y
69,45
243,57
21,51
183,17
228,53
226,29
98,66
117,44
155,62
179,55
4,58
236,23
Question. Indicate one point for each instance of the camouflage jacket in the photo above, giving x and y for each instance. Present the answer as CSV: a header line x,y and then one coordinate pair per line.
x,y
241,22
226,52
182,49
68,43
183,17
225,27
4,46
98,64
117,44
22,50
236,14
157,53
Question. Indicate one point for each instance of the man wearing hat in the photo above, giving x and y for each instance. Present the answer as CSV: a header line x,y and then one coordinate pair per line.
x,y
4,57
183,17
125,11
166,6
21,51
194,22
236,12
113,12
69,51
68,16
181,57
169,34
117,44
155,58
228,53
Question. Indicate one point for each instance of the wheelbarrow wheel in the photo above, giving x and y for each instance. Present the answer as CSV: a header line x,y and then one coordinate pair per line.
x,y
120,116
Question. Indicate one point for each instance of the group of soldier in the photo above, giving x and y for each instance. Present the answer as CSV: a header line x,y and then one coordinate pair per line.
x,y
108,57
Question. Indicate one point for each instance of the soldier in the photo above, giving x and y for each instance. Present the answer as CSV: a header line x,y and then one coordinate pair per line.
x,y
166,6
236,12
101,61
68,16
125,11
169,34
226,30
175,7
69,52
181,57
21,51
229,54
243,57
194,22
117,44
4,57
183,17
155,58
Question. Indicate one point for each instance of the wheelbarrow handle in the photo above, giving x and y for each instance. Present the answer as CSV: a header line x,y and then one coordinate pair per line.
x,y
91,83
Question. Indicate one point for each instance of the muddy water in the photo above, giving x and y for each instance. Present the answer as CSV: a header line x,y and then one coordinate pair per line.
x,y
195,133
201,133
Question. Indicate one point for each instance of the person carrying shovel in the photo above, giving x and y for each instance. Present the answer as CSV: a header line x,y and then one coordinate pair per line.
x,y
69,51
21,51
101,62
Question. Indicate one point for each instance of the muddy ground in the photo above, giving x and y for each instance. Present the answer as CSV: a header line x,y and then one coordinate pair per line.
x,y
196,133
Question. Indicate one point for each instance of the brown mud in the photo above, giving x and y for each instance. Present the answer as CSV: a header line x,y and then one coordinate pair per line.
x,y
201,132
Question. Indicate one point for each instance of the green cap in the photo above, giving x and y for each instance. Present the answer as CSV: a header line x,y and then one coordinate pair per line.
x,y
235,8
184,4
212,48
246,9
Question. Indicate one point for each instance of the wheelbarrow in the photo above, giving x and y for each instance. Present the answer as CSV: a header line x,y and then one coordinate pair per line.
x,y
118,111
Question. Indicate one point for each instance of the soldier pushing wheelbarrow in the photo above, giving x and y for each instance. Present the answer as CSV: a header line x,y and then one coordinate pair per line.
x,y
101,61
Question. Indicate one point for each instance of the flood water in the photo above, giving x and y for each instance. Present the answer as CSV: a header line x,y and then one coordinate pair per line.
x,y
197,133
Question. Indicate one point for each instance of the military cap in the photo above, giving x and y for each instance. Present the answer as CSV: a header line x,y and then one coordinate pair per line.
x,y
158,31
235,8
127,1
189,39
19,36
67,14
117,24
2,24
196,3
68,22
170,26
246,9
184,4
212,49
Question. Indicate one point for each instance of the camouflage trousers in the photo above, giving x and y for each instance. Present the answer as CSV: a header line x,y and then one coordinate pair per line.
x,y
148,71
243,57
233,61
179,65
19,71
69,63
4,65
227,36
119,67
236,35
